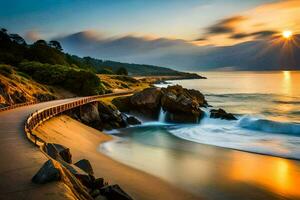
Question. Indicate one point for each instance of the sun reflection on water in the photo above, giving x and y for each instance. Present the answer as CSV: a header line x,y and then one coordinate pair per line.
x,y
273,173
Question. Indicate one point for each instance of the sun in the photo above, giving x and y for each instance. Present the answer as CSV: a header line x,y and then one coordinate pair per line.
x,y
287,34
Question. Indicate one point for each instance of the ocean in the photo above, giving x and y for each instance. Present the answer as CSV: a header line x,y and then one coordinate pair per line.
x,y
202,158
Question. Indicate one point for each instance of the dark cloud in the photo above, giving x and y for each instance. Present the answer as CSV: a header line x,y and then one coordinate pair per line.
x,y
263,34
201,39
257,35
239,35
225,26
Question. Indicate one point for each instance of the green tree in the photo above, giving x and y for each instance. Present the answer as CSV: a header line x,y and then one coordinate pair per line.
x,y
122,71
55,44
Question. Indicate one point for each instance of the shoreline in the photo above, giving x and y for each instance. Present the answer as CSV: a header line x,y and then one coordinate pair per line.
x,y
204,175
59,130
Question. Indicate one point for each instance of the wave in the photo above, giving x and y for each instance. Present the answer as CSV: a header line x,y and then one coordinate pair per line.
x,y
247,134
269,126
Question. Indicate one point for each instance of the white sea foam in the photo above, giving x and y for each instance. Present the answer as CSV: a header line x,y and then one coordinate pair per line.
x,y
247,133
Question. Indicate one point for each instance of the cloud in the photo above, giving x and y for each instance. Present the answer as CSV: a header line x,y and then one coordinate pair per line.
x,y
225,26
263,21
32,36
125,48
256,35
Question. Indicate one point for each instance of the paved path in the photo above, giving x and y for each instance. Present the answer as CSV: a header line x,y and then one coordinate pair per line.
x,y
20,159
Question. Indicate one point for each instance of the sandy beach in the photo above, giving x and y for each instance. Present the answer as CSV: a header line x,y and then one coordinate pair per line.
x,y
84,141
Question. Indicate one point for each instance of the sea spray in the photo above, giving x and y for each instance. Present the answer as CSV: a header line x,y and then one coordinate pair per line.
x,y
162,115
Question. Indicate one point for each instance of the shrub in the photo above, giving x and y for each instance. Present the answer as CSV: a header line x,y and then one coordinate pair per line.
x,y
80,82
122,71
6,70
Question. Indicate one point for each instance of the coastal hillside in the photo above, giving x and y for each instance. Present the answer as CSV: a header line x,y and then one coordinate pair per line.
x,y
14,50
45,66
17,87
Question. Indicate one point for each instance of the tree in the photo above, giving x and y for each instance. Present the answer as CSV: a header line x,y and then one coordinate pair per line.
x,y
122,71
3,30
40,42
55,44
17,38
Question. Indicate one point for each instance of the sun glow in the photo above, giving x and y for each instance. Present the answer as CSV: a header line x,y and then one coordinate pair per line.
x,y
287,34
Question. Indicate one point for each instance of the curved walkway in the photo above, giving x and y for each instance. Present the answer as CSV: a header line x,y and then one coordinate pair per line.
x,y
20,159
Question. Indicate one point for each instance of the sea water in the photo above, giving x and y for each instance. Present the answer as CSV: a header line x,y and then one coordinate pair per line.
x,y
267,105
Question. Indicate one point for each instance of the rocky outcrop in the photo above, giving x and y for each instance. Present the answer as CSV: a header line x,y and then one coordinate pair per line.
x,y
79,176
89,113
182,105
16,89
221,114
47,173
132,121
147,101
101,115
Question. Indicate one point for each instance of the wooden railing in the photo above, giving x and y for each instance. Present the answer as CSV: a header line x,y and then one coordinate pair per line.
x,y
38,117
17,105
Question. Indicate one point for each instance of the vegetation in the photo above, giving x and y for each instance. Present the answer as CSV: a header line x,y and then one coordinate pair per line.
x,y
122,71
46,63
6,70
80,82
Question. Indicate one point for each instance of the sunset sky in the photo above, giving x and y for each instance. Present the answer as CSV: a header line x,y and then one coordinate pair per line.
x,y
95,25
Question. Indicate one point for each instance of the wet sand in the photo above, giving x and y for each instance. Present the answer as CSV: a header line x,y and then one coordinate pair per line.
x,y
84,141
208,171
182,169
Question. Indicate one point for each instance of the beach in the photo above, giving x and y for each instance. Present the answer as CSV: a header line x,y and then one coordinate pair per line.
x,y
83,142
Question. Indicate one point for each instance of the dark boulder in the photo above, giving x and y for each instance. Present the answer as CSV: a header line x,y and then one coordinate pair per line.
x,y
99,183
182,105
85,165
89,113
133,120
147,101
221,114
85,178
111,116
47,173
58,151
123,103
114,192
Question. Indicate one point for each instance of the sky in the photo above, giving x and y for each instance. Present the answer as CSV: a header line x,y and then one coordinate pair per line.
x,y
151,32
154,18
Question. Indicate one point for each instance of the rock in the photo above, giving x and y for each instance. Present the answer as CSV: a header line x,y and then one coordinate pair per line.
x,y
85,165
66,155
85,178
58,151
89,113
133,121
18,97
111,116
98,183
122,103
47,173
114,192
95,193
182,105
222,114
147,101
